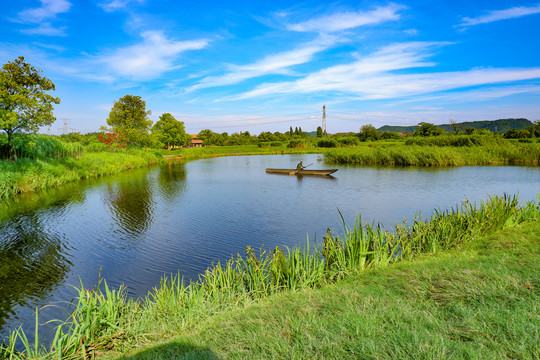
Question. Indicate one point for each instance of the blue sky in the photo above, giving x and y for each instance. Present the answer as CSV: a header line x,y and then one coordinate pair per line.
x,y
265,66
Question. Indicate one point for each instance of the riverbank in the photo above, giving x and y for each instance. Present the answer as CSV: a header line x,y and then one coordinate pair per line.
x,y
477,302
106,320
30,175
188,154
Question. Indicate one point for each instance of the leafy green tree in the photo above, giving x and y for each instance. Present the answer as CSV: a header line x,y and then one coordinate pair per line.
x,y
427,129
24,103
319,132
369,132
167,130
129,117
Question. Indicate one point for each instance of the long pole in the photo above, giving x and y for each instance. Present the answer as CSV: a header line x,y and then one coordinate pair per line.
x,y
324,120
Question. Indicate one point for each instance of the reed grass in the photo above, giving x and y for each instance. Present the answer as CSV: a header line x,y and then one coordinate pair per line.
x,y
105,319
507,153
28,175
39,147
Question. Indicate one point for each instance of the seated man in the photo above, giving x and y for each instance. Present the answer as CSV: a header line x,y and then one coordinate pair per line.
x,y
299,166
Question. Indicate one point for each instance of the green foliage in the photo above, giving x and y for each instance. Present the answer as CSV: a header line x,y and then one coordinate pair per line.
x,y
390,135
328,143
39,147
32,175
169,131
459,140
500,126
369,132
495,153
299,144
25,104
427,129
319,132
129,117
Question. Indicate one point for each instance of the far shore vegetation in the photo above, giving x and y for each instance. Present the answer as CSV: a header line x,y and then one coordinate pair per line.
x,y
451,286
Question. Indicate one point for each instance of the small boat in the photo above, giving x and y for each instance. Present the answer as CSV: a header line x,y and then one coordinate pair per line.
x,y
301,172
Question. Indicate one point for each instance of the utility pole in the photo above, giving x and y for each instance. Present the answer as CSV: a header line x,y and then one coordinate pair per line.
x,y
65,129
324,120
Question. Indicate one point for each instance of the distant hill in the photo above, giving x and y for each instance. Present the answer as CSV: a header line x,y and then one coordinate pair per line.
x,y
501,126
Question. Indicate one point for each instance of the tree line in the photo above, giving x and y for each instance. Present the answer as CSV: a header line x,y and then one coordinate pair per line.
x,y
26,105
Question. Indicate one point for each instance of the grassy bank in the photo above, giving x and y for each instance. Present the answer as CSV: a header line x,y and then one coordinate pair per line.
x,y
477,302
217,151
106,320
30,175
430,154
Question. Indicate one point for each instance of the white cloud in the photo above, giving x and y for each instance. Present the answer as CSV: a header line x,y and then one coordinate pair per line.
x,y
348,20
114,5
497,15
375,77
149,59
49,9
46,29
274,64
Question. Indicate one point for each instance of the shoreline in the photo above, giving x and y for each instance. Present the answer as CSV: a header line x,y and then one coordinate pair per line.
x,y
174,307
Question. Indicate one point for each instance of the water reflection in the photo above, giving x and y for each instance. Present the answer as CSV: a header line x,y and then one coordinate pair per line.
x,y
172,181
33,261
131,204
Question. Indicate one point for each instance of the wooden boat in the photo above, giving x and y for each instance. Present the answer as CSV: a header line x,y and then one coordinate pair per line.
x,y
301,172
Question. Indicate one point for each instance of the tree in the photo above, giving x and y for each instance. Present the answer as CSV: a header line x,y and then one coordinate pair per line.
x,y
427,129
319,132
169,131
455,126
369,132
129,117
24,103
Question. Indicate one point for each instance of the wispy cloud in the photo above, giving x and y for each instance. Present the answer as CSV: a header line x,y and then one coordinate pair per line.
x,y
154,56
116,5
43,16
376,76
46,29
49,9
348,20
279,63
497,15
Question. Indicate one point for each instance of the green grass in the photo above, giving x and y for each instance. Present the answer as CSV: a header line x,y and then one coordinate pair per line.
x,y
216,151
481,301
105,320
28,175
505,153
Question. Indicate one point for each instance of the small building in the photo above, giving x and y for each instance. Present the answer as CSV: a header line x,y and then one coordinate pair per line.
x,y
195,142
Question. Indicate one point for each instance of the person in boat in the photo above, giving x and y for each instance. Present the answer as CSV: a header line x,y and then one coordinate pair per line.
x,y
299,166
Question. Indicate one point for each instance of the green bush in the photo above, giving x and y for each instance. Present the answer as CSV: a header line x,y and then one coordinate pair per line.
x,y
298,144
327,143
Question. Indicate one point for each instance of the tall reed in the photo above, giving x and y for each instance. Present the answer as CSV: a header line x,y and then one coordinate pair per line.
x,y
106,319
418,155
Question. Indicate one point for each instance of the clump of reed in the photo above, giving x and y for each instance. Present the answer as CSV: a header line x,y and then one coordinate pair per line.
x,y
457,140
105,319
417,155
39,147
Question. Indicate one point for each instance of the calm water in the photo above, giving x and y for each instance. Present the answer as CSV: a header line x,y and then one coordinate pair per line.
x,y
138,226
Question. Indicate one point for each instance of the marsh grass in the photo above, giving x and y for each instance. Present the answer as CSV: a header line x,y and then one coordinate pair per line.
x,y
39,147
28,175
507,153
105,319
